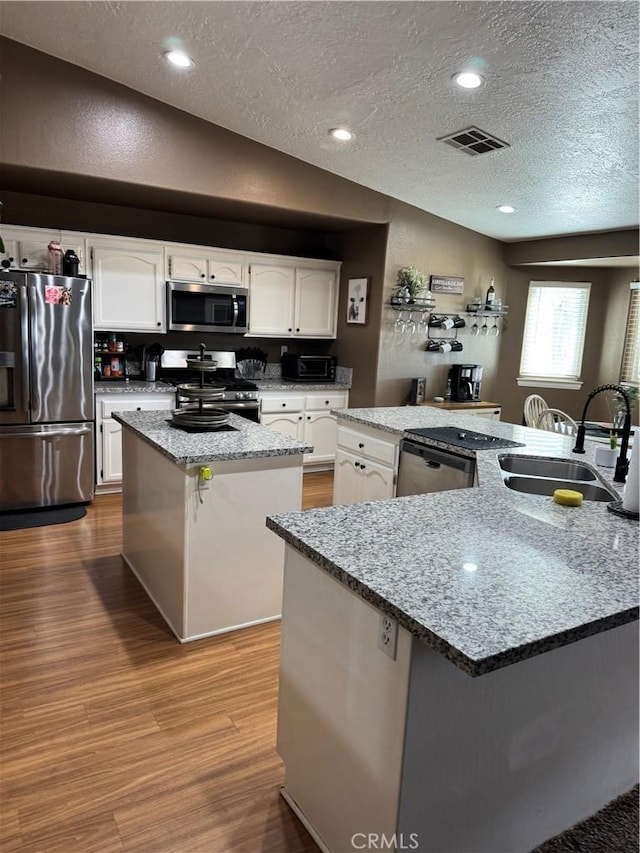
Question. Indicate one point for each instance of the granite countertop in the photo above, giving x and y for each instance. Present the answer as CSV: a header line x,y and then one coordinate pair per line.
x,y
138,386
486,576
248,441
302,387
133,386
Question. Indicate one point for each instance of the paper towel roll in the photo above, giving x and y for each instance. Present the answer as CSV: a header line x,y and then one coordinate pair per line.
x,y
631,494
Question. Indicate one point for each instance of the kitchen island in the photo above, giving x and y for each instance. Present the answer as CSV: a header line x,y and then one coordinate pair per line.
x,y
459,670
194,505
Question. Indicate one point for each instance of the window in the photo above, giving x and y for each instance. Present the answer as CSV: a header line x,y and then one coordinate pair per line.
x,y
630,368
554,329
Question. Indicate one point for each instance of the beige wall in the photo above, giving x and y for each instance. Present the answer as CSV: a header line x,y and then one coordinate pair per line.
x,y
436,246
81,152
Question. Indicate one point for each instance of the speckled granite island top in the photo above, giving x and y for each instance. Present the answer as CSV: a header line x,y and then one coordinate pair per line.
x,y
486,576
247,441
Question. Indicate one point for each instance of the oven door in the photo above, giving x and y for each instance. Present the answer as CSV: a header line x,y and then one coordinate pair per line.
x,y
206,308
249,409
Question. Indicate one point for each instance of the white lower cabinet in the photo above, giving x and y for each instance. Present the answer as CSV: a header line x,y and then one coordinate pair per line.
x,y
365,468
109,431
306,417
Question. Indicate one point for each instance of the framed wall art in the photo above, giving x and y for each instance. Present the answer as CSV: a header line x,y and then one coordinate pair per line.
x,y
357,294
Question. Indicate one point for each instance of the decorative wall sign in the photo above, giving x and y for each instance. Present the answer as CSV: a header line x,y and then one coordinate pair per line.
x,y
357,300
446,284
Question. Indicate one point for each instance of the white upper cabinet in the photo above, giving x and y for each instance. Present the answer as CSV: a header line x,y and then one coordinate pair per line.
x,y
289,297
271,300
128,287
315,303
215,268
288,301
27,248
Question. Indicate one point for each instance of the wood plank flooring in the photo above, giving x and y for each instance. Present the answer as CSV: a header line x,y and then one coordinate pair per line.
x,y
114,737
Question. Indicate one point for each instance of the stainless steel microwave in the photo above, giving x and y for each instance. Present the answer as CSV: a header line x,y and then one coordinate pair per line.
x,y
194,307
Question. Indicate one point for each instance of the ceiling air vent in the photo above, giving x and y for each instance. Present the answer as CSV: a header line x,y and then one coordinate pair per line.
x,y
473,141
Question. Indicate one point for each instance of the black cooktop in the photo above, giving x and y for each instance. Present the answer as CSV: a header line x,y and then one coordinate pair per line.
x,y
464,438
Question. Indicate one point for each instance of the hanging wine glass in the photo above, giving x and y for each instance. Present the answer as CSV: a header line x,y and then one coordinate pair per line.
x,y
484,329
475,329
399,325
494,331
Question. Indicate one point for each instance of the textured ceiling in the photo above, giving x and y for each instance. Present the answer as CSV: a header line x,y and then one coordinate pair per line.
x,y
561,89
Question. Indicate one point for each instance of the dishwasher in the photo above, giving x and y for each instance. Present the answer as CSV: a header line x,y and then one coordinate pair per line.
x,y
425,469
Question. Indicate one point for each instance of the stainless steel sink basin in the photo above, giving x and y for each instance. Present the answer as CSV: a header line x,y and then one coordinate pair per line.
x,y
557,468
547,486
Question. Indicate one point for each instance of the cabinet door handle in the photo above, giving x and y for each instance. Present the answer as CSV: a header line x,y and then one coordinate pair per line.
x,y
300,418
326,402
297,330
357,464
139,409
290,330
308,417
158,323
284,405
362,466
203,275
212,275
360,445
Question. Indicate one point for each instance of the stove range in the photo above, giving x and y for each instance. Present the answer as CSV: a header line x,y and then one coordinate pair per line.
x,y
466,438
239,396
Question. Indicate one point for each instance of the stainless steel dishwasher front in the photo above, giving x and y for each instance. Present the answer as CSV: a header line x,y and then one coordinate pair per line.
x,y
425,469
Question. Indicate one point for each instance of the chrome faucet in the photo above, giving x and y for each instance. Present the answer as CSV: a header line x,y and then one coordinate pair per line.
x,y
622,463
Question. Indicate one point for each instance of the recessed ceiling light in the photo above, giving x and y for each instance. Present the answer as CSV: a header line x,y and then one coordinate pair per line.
x,y
181,60
506,208
341,133
468,79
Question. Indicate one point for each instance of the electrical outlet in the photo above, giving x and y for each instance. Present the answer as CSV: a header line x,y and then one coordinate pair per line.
x,y
284,348
388,635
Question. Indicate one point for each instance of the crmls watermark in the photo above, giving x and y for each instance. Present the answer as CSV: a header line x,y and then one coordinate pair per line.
x,y
380,841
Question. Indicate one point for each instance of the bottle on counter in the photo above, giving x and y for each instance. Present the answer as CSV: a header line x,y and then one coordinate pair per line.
x,y
54,253
491,295
70,263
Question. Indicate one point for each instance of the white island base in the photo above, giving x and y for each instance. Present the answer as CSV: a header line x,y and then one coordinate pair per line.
x,y
417,751
204,555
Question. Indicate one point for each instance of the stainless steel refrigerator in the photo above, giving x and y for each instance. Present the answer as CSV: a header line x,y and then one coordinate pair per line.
x,y
46,391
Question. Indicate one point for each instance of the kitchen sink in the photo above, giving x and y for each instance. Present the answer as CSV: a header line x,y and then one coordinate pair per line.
x,y
548,485
542,476
557,468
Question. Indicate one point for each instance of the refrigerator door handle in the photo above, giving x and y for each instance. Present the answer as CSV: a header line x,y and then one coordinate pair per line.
x,y
48,431
33,390
24,333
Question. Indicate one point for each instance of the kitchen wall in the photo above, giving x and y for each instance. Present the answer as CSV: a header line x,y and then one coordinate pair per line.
x,y
90,154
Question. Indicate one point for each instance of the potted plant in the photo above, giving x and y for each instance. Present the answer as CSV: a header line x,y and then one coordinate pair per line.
x,y
618,408
410,283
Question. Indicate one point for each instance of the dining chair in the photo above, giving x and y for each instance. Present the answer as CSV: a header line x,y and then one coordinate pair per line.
x,y
555,420
533,406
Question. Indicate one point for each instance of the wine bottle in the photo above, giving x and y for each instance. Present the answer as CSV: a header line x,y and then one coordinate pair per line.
x,y
491,295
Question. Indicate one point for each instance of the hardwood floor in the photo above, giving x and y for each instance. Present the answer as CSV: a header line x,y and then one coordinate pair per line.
x,y
114,737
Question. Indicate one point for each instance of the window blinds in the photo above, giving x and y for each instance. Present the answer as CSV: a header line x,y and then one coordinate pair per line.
x,y
630,369
554,330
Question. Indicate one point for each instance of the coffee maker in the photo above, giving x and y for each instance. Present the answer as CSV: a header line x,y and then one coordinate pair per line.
x,y
465,382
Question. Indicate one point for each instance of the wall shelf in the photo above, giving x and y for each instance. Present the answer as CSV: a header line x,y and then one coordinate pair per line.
x,y
418,304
